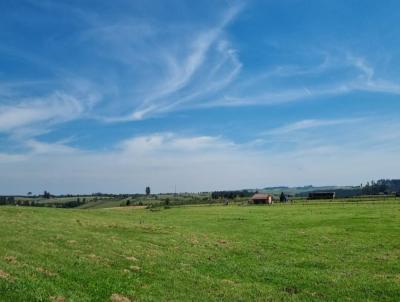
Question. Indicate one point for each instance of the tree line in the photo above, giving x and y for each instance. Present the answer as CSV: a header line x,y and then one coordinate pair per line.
x,y
231,194
382,186
11,201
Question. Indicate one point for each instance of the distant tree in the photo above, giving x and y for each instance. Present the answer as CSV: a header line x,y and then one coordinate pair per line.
x,y
11,200
46,195
29,194
128,202
282,198
148,191
167,201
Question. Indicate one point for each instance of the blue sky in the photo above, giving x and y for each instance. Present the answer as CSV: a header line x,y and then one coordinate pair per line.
x,y
113,96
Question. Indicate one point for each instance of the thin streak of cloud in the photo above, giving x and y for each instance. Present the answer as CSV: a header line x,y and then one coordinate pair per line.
x,y
182,71
309,124
58,107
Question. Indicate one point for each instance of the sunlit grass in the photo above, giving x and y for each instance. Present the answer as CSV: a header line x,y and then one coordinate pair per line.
x,y
316,252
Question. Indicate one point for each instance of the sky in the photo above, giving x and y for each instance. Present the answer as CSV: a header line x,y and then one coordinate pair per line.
x,y
114,96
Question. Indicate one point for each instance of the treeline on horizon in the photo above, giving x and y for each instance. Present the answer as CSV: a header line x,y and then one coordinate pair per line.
x,y
11,200
380,187
231,194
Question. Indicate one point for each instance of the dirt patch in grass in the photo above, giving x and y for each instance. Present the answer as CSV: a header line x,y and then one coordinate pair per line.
x,y
4,275
291,290
228,282
134,268
45,272
194,241
114,239
57,299
119,298
11,259
95,257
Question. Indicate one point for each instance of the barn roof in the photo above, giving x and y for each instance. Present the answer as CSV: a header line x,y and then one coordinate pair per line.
x,y
261,196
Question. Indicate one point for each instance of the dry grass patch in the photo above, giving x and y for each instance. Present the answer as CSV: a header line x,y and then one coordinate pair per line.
x,y
134,268
11,259
95,257
45,272
57,299
227,281
4,275
194,241
119,298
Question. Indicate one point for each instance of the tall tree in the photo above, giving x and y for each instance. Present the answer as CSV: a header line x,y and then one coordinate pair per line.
x,y
46,195
148,191
282,198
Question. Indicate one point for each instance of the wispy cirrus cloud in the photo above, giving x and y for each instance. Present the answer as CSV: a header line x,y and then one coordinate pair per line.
x,y
31,108
352,74
309,124
145,69
201,63
57,107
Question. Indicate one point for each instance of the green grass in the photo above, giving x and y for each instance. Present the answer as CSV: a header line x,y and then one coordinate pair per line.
x,y
313,252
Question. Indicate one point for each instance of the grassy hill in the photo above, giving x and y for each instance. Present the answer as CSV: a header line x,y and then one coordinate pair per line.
x,y
295,252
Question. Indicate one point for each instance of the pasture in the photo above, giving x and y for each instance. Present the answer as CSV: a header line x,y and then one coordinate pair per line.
x,y
292,252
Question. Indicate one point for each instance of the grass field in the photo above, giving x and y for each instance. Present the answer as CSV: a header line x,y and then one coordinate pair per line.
x,y
314,252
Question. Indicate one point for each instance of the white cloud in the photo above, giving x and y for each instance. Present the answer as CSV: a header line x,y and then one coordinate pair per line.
x,y
249,93
190,66
10,158
55,108
197,163
360,63
37,147
160,68
310,123
169,142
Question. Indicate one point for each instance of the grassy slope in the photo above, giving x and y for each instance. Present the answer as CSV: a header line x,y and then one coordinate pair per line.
x,y
103,203
324,252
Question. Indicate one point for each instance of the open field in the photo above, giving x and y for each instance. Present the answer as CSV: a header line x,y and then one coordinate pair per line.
x,y
294,252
